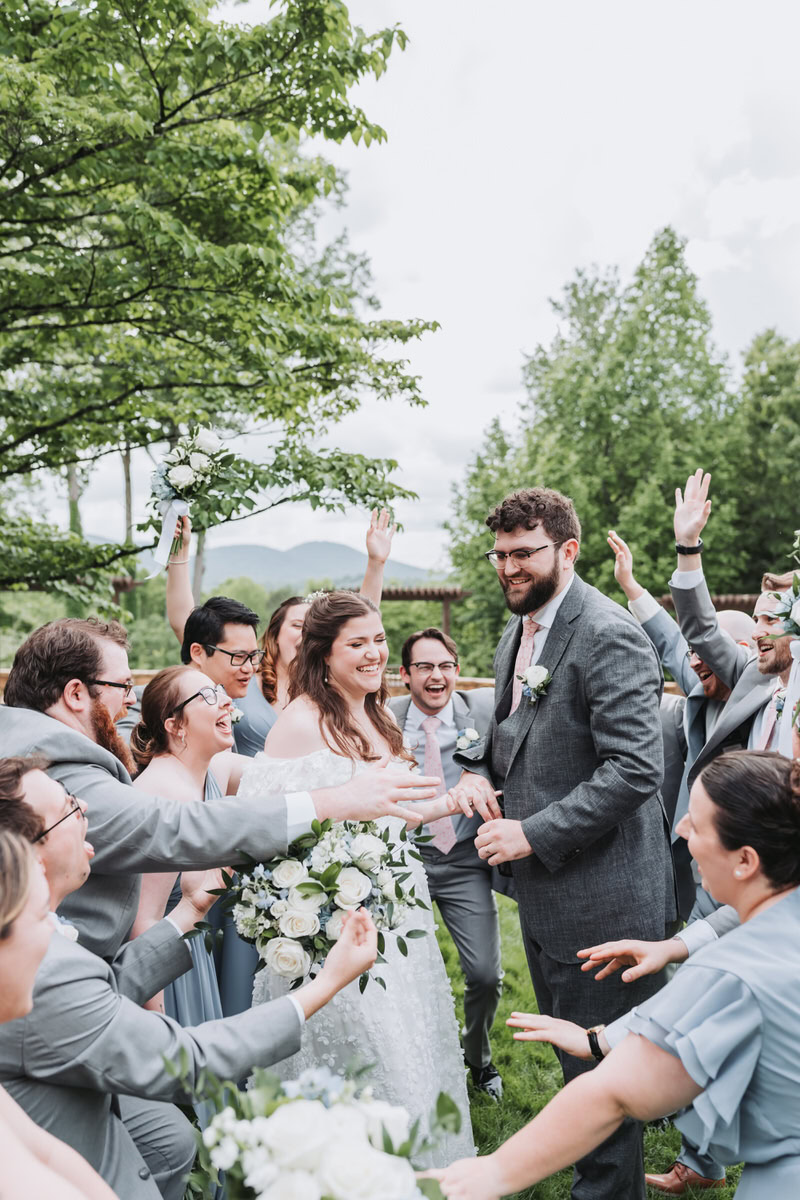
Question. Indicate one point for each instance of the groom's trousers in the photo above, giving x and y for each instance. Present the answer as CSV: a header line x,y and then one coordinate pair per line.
x,y
461,884
615,1169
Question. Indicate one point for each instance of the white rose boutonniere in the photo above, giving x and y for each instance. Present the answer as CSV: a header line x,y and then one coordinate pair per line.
x,y
467,738
534,682
236,715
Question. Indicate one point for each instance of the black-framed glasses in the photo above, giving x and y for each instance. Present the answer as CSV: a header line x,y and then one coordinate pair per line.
x,y
211,695
240,657
127,686
76,808
426,668
499,558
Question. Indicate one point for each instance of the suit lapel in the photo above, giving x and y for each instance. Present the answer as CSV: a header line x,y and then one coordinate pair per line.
x,y
739,709
460,711
558,639
402,712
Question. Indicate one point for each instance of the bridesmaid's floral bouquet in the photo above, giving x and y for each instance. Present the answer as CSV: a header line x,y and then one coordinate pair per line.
x,y
318,1138
292,908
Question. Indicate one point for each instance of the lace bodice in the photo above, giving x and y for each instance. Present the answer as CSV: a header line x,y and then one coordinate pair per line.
x,y
409,1032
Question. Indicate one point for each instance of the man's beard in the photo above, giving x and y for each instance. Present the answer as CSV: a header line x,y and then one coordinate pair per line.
x,y
105,734
781,661
538,593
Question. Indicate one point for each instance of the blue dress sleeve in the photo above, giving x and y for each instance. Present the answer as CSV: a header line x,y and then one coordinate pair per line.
x,y
711,1021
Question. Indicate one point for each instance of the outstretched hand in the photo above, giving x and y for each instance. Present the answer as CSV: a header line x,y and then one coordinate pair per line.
x,y
354,952
623,566
379,535
469,1179
565,1034
197,887
376,792
692,508
640,958
183,530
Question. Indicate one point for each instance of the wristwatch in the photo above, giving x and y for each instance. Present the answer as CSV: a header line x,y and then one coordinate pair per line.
x,y
594,1044
698,549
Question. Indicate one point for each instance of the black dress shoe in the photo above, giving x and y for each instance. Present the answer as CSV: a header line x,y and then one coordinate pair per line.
x,y
487,1079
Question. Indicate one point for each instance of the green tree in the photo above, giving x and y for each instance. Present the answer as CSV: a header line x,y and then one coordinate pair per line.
x,y
158,251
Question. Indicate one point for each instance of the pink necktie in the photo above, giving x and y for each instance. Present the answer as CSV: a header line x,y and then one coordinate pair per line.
x,y
771,719
524,655
444,837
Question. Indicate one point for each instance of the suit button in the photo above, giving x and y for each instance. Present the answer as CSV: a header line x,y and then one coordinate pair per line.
x,y
144,1173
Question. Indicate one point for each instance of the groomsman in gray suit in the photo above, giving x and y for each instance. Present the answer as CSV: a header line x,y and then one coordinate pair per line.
x,y
575,745
68,684
87,1063
435,717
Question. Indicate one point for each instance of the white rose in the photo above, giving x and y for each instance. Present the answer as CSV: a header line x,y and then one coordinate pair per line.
x,y
180,476
297,1134
354,1170
352,887
207,441
795,613
258,1169
199,462
279,907
287,958
535,675
391,1117
462,743
333,929
386,882
293,1185
347,1122
288,872
368,851
472,734
297,924
302,902
225,1154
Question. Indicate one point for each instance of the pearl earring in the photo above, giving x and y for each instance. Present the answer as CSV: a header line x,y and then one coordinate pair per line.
x,y
325,680
738,873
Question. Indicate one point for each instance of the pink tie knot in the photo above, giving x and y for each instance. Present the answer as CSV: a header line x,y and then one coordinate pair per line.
x,y
431,724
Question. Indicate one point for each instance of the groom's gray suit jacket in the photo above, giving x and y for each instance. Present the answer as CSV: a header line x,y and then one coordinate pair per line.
x,y
133,833
584,777
87,1041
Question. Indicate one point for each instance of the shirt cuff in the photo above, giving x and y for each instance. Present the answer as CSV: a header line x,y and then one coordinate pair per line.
x,y
697,934
687,579
300,812
644,607
298,1009
175,926
618,1030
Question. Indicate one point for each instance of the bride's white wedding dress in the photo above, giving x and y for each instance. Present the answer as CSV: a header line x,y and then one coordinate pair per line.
x,y
409,1032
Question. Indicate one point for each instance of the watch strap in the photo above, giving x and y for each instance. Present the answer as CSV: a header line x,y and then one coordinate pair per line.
x,y
698,549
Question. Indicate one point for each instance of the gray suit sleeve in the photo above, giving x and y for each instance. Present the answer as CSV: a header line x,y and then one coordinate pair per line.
x,y
134,833
671,646
146,964
623,690
700,626
723,919
81,1033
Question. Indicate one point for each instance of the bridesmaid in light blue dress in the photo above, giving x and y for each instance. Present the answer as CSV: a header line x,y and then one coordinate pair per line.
x,y
721,1041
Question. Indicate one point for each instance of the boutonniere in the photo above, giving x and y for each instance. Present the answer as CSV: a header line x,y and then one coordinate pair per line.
x,y
236,715
535,682
467,738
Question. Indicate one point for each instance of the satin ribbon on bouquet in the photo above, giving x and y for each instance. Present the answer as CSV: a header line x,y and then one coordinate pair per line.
x,y
171,512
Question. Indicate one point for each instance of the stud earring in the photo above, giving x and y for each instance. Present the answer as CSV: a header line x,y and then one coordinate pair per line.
x,y
738,873
325,679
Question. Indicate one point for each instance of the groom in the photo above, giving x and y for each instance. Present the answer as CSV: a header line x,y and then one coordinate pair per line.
x,y
579,759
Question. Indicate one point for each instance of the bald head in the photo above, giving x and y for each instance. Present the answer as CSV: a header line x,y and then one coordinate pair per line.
x,y
738,625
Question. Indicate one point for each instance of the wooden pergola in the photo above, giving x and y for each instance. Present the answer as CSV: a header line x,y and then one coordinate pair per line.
x,y
444,594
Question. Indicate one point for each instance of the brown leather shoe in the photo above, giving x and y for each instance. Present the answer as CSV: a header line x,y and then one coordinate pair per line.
x,y
678,1179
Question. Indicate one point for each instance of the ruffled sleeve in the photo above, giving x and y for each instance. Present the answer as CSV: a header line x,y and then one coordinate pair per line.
x,y
711,1021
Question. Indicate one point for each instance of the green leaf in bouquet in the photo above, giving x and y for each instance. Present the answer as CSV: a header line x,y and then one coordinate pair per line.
x,y
447,1115
381,944
379,981
316,827
390,912
430,1189
311,887
380,958
416,933
330,874
388,1144
406,1148
363,980
403,834
401,946
414,854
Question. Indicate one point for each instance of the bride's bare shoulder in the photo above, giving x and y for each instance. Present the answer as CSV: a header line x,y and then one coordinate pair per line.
x,y
296,731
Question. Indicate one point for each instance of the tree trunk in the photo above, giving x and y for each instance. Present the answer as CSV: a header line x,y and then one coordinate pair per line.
x,y
199,565
126,467
74,490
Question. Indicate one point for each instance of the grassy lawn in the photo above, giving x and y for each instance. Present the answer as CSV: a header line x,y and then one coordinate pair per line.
x,y
531,1074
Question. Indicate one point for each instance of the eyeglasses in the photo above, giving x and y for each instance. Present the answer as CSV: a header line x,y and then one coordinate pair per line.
x,y
211,695
499,558
425,668
76,808
240,657
127,686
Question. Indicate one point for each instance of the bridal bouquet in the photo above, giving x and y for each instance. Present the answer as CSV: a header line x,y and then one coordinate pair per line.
x,y
318,1138
194,469
292,908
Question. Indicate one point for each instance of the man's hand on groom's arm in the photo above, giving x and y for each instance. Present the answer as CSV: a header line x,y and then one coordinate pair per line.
x,y
502,841
475,793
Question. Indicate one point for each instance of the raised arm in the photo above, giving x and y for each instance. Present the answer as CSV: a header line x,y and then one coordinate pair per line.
x,y
180,600
37,1164
379,545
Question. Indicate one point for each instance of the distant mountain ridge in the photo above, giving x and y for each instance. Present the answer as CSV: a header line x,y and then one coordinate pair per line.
x,y
309,561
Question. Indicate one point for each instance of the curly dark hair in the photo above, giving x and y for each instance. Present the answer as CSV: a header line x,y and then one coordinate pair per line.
x,y
16,815
54,654
533,507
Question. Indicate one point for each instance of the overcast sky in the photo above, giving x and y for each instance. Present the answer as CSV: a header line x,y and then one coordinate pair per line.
x,y
527,139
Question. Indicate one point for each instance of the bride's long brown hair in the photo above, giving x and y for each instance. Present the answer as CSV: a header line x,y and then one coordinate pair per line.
x,y
308,673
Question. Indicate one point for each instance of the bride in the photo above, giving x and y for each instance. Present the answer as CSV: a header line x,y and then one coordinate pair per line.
x,y
334,725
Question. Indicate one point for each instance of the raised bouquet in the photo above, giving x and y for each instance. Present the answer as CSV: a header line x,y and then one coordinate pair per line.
x,y
292,908
318,1138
